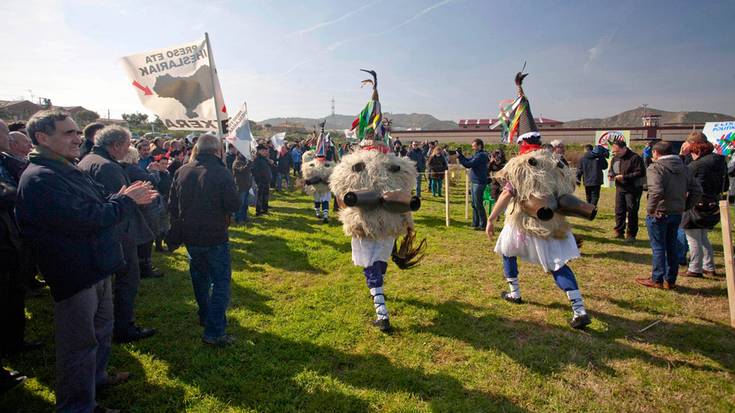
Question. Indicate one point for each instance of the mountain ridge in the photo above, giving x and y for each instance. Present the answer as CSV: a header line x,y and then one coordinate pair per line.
x,y
403,121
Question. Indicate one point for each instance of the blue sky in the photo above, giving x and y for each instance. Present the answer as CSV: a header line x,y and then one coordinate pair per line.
x,y
453,58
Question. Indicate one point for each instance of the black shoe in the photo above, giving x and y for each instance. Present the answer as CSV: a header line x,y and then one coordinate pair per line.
x,y
630,240
506,296
478,228
223,341
383,325
9,380
580,321
23,347
149,271
139,333
325,221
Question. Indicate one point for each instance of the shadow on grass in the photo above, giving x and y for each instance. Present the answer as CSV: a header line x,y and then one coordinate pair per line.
x,y
711,340
429,221
266,371
250,252
23,400
529,343
625,256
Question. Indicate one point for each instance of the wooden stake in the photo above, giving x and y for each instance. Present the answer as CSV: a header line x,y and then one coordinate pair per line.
x,y
466,194
446,195
727,246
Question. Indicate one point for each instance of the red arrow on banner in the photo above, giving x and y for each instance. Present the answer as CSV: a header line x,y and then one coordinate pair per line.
x,y
146,90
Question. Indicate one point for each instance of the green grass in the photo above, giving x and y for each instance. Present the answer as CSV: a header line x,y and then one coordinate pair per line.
x,y
301,313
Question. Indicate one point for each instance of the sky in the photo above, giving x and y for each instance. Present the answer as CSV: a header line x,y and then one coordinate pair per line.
x,y
453,59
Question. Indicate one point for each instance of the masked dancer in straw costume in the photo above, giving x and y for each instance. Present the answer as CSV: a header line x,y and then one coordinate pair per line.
x,y
316,170
538,190
373,187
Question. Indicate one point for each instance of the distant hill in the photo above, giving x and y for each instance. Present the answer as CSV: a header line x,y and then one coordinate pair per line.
x,y
400,121
632,118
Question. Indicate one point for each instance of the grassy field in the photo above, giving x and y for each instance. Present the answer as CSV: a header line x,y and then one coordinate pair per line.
x,y
301,313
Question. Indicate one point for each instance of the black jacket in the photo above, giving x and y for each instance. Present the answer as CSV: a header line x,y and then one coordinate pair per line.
x,y
106,171
285,163
711,172
70,224
203,196
242,170
633,171
262,174
14,165
437,166
590,169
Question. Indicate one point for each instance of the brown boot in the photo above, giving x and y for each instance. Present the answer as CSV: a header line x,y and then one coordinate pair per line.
x,y
712,273
691,274
669,286
648,282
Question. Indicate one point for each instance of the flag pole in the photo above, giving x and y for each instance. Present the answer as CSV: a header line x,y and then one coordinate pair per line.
x,y
212,72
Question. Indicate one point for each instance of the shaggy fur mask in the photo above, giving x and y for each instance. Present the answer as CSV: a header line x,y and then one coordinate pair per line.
x,y
314,168
538,174
369,170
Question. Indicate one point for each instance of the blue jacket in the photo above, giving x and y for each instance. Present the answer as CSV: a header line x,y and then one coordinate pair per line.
x,y
71,225
590,168
417,155
478,166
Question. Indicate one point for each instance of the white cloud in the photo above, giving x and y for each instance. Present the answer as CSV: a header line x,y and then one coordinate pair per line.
x,y
597,50
333,21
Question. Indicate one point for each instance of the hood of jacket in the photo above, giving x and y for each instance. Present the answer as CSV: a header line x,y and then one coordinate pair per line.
x,y
673,165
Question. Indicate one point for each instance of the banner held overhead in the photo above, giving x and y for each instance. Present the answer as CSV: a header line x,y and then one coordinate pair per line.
x,y
240,135
180,85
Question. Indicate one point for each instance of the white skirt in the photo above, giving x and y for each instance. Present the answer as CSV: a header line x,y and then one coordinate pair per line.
x,y
322,196
366,251
551,254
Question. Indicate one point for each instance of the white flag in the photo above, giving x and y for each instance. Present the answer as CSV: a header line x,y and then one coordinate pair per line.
x,y
240,135
178,85
278,140
351,136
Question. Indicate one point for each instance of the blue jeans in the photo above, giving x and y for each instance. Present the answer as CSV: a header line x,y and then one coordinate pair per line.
x,y
242,214
479,216
279,180
682,246
210,275
418,184
662,233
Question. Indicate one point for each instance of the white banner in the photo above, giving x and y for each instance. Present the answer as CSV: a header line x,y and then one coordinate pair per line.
x,y
278,140
178,85
240,135
722,135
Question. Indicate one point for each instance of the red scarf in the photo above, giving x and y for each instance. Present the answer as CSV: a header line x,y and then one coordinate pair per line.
x,y
528,147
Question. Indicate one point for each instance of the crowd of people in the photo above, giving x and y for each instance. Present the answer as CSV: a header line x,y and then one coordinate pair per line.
x,y
86,209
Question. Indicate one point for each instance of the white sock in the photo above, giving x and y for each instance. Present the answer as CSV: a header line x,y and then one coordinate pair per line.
x,y
381,311
325,213
318,212
575,297
515,289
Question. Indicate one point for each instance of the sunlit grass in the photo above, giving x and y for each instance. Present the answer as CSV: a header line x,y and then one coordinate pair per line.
x,y
301,313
